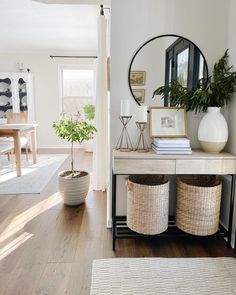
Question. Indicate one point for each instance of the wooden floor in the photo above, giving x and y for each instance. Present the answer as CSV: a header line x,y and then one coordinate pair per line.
x,y
48,248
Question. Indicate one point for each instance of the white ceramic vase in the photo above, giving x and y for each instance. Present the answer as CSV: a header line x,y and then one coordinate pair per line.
x,y
213,131
73,190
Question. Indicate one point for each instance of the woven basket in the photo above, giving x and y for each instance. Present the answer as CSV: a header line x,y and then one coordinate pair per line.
x,y
198,204
147,203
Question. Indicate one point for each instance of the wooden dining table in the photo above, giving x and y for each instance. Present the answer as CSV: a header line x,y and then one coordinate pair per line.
x,y
16,131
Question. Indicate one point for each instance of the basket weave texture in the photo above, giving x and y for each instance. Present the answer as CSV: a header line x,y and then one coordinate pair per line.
x,y
198,204
148,203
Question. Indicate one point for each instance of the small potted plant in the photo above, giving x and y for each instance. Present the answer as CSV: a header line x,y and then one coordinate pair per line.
x,y
73,184
209,95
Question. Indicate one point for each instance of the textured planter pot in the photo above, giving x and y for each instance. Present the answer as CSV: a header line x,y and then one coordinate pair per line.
x,y
213,131
73,190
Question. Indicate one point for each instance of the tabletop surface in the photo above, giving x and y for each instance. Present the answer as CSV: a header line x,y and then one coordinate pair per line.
x,y
196,155
19,127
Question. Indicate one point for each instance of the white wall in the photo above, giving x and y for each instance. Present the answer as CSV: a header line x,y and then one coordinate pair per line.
x,y
135,21
46,87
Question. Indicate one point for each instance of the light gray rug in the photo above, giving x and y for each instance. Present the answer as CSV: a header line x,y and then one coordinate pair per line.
x,y
151,276
34,177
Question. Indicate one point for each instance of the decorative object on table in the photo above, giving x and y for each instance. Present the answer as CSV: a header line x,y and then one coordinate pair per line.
x,y
209,95
147,203
137,78
168,122
198,204
124,142
139,95
171,146
73,184
141,145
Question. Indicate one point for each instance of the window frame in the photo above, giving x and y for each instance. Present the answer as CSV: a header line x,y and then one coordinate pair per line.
x,y
62,67
193,63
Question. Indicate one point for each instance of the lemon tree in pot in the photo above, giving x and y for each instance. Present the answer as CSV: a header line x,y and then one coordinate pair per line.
x,y
73,184
208,96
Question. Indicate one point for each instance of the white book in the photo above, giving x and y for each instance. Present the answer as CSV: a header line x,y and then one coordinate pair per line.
x,y
171,140
174,145
172,152
171,148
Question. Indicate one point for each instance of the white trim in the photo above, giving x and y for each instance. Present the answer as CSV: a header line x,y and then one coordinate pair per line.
x,y
109,223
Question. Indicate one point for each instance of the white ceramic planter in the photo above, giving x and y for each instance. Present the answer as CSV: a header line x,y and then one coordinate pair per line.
x,y
73,190
213,131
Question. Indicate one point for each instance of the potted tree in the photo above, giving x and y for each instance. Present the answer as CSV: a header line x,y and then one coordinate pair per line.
x,y
208,96
73,184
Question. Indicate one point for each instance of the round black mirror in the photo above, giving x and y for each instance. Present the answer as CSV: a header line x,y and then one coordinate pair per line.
x,y
161,60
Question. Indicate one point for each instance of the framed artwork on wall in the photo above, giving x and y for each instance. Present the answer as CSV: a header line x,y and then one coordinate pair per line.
x,y
137,78
139,95
168,122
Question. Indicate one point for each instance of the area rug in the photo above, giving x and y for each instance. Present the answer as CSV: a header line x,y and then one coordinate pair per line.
x,y
34,177
151,276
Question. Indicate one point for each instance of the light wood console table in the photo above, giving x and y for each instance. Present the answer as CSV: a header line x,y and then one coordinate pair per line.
x,y
127,163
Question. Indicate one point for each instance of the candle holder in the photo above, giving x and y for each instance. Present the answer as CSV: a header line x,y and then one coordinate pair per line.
x,y
124,143
141,145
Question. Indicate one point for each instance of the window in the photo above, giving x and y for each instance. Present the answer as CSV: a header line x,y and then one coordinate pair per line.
x,y
184,63
77,88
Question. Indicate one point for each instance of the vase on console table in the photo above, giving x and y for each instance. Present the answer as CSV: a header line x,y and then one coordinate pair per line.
x,y
213,131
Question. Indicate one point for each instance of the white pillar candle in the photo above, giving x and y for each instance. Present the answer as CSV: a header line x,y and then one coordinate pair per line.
x,y
124,108
142,114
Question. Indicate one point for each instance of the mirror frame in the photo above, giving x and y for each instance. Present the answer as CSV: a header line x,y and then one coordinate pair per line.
x,y
154,38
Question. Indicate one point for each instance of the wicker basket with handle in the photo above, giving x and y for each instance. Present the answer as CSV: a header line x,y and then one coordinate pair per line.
x,y
147,203
198,204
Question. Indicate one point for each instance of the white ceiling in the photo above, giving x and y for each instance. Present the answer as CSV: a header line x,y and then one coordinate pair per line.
x,y
30,25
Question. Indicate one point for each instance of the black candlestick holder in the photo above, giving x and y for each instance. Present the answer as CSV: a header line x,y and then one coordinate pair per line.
x,y
141,145
124,143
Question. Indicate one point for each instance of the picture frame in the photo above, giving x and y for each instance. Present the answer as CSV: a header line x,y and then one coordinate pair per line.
x,y
139,95
137,78
168,122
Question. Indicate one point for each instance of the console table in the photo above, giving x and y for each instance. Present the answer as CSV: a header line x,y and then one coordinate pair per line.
x,y
128,163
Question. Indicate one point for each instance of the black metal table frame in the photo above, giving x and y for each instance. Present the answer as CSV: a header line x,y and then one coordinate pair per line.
x,y
121,231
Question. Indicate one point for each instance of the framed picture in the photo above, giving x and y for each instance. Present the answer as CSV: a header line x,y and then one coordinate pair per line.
x,y
139,94
137,78
168,122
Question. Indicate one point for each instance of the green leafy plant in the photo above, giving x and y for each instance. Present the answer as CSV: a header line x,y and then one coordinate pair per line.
x,y
73,130
89,111
216,91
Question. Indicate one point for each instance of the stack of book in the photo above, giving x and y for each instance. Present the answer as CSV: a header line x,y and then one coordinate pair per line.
x,y
172,146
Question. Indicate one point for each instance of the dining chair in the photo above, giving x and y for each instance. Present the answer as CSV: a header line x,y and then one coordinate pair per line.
x,y
20,118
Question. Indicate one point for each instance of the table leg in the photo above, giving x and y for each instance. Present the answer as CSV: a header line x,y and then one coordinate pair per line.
x,y
34,146
231,210
113,211
17,147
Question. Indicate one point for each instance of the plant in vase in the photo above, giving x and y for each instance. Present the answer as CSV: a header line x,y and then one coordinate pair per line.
x,y
73,184
89,113
210,95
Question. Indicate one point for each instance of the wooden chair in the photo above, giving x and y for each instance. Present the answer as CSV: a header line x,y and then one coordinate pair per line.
x,y
6,148
20,118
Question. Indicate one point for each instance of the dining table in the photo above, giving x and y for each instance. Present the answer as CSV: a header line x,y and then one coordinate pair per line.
x,y
16,131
